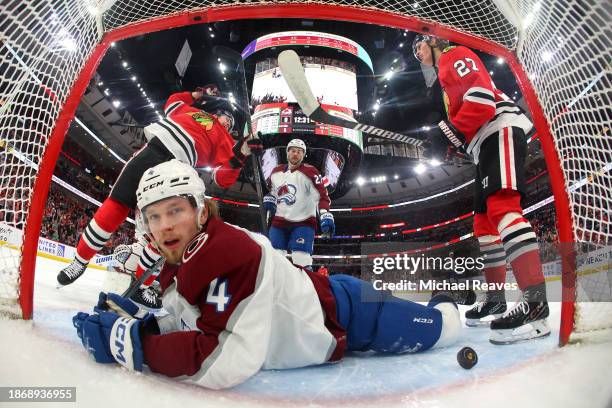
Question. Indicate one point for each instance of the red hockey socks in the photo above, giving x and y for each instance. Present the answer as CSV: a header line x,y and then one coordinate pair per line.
x,y
494,259
148,259
99,230
491,249
519,240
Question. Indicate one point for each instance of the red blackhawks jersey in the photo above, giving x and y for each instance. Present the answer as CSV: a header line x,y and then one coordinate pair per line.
x,y
299,193
236,306
473,104
195,137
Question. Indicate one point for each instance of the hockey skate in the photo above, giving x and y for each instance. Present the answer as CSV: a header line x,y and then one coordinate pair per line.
x,y
525,321
147,298
490,308
460,297
70,273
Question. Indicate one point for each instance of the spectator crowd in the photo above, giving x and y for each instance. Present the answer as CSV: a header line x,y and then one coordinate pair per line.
x,y
66,215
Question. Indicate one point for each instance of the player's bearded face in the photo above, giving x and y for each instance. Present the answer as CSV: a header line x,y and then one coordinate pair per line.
x,y
295,155
173,223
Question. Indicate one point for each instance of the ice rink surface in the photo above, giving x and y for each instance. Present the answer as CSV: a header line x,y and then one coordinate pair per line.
x,y
47,352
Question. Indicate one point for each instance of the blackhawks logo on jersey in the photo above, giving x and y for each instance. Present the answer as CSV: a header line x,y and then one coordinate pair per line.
x,y
203,119
446,101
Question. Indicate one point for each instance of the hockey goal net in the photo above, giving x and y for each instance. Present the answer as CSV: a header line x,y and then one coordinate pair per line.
x,y
559,51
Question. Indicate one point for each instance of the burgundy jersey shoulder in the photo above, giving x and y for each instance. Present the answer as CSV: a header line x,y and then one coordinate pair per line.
x,y
309,170
279,169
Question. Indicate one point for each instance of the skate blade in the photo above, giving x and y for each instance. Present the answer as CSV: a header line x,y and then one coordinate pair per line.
x,y
534,330
477,323
481,322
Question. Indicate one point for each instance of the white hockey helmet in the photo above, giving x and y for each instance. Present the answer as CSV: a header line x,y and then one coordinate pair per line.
x,y
169,179
297,143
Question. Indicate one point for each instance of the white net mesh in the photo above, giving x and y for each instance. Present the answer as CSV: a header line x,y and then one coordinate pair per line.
x,y
564,46
566,51
43,48
478,17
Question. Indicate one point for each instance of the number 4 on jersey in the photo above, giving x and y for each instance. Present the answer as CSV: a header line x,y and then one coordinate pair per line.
x,y
217,294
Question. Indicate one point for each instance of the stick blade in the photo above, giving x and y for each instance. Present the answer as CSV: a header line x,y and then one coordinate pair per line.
x,y
293,72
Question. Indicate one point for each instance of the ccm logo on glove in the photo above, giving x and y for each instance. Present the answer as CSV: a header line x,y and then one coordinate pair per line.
x,y
118,344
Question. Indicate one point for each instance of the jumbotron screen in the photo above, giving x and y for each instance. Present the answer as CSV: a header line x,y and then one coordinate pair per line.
x,y
276,109
333,82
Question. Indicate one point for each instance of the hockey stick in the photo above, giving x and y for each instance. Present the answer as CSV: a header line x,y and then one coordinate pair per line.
x,y
137,282
293,71
236,57
129,125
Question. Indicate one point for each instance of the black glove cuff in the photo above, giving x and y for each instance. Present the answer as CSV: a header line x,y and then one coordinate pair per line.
x,y
236,163
455,137
149,326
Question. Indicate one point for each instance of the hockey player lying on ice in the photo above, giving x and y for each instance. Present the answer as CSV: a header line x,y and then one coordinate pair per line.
x,y
236,305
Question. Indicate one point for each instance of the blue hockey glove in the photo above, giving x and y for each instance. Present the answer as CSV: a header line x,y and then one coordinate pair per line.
x,y
122,306
110,338
269,203
327,223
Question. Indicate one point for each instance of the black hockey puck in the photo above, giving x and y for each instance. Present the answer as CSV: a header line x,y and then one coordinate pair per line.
x,y
467,357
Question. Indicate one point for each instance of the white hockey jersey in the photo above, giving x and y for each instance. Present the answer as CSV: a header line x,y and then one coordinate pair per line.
x,y
299,193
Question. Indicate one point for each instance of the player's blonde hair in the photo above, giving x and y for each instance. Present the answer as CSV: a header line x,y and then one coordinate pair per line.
x,y
212,207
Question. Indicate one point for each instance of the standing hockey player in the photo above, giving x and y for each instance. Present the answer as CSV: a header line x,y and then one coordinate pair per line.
x,y
234,312
188,134
489,126
297,193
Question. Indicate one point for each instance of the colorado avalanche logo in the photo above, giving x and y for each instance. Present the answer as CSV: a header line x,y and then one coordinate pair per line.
x,y
286,194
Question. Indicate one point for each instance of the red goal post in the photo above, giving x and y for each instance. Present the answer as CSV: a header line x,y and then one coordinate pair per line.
x,y
43,84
